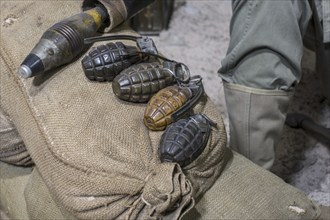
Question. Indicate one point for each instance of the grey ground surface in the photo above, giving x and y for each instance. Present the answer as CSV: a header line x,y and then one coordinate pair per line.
x,y
198,36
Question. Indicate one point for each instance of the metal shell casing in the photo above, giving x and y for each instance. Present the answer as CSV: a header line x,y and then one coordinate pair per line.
x,y
158,113
105,62
140,82
183,141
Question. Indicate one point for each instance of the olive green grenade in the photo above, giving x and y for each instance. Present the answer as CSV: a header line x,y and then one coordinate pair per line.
x,y
140,82
105,62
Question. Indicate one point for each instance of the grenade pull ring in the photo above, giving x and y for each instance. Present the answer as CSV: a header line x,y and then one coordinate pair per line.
x,y
179,71
182,73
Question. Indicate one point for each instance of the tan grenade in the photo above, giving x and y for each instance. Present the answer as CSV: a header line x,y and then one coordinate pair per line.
x,y
171,103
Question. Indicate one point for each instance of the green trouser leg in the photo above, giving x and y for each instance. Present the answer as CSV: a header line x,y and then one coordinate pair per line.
x,y
256,120
260,70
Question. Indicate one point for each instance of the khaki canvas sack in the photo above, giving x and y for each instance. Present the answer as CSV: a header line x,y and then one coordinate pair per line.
x,y
94,157
92,149
12,148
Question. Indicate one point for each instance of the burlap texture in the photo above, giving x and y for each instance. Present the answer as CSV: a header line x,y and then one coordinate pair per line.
x,y
243,191
247,191
13,180
12,148
92,150
36,195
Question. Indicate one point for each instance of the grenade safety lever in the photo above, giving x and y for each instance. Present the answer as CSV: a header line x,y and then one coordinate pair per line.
x,y
145,44
197,89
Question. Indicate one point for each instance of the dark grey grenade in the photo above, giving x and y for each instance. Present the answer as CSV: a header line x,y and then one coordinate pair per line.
x,y
140,82
105,62
183,141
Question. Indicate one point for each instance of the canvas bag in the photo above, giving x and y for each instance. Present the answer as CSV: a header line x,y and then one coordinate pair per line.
x,y
93,150
12,148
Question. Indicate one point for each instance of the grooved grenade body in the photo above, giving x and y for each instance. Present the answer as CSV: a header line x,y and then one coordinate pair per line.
x,y
140,82
104,62
183,141
161,106
171,103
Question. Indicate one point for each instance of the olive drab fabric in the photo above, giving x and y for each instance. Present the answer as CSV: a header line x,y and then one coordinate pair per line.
x,y
256,121
92,150
264,58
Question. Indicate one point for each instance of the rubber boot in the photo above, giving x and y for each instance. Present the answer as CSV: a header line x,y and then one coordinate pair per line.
x,y
256,119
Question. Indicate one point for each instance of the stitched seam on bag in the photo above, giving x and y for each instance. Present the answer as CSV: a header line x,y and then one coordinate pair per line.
x,y
11,151
31,109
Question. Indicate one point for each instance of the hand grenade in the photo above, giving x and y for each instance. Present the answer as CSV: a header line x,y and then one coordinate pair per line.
x,y
171,103
183,141
140,82
104,62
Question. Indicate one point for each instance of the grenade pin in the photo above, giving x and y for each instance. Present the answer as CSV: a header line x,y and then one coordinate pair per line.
x,y
179,71
182,73
145,44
